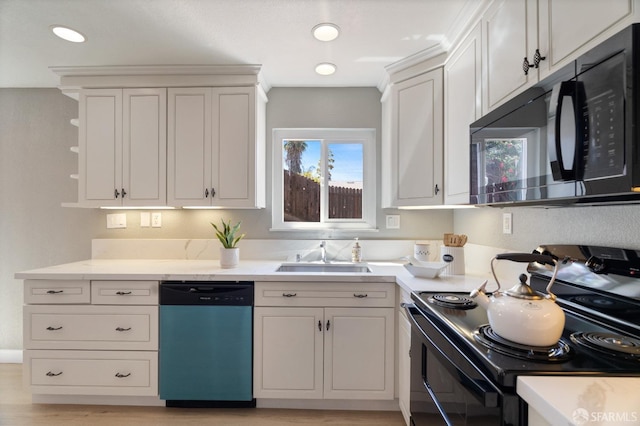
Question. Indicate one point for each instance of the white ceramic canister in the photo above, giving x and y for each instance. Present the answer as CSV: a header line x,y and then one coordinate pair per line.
x,y
421,251
454,256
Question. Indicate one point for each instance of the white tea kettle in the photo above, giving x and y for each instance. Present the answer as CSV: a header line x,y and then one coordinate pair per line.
x,y
521,314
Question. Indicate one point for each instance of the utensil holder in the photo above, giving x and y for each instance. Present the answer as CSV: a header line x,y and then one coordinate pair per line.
x,y
454,256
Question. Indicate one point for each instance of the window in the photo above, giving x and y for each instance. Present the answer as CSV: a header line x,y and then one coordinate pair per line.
x,y
324,179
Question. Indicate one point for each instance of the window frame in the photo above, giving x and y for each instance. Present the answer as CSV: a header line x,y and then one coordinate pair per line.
x,y
327,136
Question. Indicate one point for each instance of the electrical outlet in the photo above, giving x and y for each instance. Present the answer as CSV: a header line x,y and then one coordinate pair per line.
x,y
507,223
156,220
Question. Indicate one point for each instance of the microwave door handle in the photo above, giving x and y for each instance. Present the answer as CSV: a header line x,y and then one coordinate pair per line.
x,y
560,172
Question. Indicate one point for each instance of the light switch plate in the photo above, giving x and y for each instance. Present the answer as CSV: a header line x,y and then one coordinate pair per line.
x,y
145,219
393,221
116,220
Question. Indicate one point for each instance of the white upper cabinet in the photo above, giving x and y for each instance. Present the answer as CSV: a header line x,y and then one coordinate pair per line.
x,y
122,147
570,27
416,141
463,106
216,147
526,40
509,34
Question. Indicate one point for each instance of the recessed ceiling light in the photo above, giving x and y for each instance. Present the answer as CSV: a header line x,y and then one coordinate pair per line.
x,y
325,68
326,32
68,34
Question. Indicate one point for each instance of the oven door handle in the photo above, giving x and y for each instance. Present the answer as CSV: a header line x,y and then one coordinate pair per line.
x,y
439,406
482,390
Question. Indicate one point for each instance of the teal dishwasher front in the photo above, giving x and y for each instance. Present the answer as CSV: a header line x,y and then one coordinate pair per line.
x,y
206,350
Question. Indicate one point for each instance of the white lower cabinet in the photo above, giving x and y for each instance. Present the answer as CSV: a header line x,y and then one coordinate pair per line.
x,y
91,338
321,351
404,360
91,372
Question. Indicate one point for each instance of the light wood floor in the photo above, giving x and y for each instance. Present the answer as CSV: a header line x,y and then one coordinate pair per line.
x,y
16,409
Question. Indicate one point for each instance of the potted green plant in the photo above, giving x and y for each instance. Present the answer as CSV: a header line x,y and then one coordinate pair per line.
x,y
227,234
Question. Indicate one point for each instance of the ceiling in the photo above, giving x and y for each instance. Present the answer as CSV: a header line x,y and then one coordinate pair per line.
x,y
273,33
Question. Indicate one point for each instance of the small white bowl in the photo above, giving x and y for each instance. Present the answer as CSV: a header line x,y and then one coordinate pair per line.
x,y
425,269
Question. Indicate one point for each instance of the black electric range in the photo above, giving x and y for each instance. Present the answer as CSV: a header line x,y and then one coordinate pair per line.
x,y
466,374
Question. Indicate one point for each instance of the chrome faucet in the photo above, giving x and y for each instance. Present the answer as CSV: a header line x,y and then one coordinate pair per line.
x,y
323,252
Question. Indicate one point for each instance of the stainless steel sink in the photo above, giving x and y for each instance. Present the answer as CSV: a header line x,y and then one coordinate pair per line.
x,y
324,267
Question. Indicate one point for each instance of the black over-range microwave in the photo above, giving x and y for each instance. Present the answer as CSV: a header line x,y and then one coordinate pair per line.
x,y
573,138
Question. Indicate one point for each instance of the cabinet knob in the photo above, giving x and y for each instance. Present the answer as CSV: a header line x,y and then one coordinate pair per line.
x,y
122,329
120,375
206,193
55,291
54,328
328,325
360,296
213,192
289,294
123,293
50,374
123,192
116,194
319,325
437,189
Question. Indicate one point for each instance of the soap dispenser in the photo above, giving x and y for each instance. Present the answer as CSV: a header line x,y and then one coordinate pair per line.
x,y
356,252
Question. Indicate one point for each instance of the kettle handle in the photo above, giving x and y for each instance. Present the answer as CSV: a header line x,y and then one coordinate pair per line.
x,y
528,257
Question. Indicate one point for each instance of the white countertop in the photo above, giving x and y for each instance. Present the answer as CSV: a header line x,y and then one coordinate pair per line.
x,y
582,400
255,270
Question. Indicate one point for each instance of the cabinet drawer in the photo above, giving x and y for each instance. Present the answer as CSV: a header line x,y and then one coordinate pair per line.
x,y
124,292
56,291
91,327
91,372
325,294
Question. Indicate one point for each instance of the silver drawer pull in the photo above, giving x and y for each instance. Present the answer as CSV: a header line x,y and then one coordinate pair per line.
x,y
120,375
122,329
360,296
50,374
289,294
54,328
123,293
55,291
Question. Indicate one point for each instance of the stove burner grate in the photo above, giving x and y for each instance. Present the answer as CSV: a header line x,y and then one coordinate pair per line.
x,y
559,352
452,301
609,343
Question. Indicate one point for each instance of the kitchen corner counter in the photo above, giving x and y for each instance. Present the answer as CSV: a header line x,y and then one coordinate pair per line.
x,y
256,270
581,400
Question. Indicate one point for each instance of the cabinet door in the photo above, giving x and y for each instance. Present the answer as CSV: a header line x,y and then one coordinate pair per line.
x,y
288,353
100,143
404,365
189,147
144,155
358,353
597,21
417,139
234,147
463,105
510,33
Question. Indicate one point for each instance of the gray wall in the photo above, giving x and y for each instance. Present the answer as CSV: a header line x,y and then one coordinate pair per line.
x,y
35,164
616,226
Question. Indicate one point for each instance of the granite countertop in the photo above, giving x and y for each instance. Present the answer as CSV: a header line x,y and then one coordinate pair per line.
x,y
256,270
582,400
